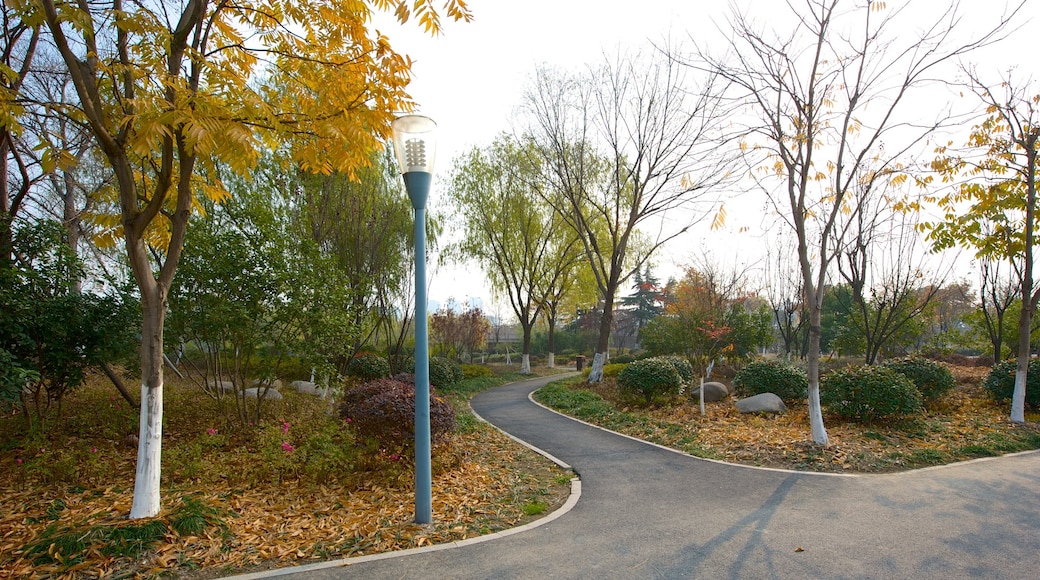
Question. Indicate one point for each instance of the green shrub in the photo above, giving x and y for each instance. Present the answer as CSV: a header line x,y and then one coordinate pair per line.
x,y
476,371
769,376
368,366
612,370
384,410
681,366
649,377
444,372
932,379
1000,382
869,393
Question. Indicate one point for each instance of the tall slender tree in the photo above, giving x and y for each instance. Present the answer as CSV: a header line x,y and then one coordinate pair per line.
x,y
507,230
994,211
624,144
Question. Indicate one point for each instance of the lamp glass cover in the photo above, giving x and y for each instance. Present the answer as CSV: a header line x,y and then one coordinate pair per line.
x,y
415,143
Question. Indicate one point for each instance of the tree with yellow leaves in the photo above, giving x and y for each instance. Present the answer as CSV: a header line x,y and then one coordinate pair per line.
x,y
171,90
992,208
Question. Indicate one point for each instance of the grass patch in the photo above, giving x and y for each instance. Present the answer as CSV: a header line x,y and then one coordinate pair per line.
x,y
193,518
68,547
534,508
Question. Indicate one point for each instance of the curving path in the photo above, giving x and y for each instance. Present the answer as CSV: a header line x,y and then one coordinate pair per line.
x,y
646,512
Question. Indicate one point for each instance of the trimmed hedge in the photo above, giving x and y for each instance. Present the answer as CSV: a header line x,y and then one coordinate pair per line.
x,y
869,393
681,366
610,370
931,378
770,376
384,410
476,371
649,377
443,372
1000,382
368,366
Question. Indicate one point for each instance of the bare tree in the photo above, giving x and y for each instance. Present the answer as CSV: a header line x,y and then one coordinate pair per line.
x,y
880,260
17,50
783,289
996,295
822,103
629,144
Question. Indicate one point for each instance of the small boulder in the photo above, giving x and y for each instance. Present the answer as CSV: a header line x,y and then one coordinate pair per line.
x,y
762,403
222,386
274,384
270,395
713,392
307,388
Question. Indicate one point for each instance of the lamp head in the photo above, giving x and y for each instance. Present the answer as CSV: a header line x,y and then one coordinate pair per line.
x,y
415,143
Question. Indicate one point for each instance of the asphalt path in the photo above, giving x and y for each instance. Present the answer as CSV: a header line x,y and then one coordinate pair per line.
x,y
648,512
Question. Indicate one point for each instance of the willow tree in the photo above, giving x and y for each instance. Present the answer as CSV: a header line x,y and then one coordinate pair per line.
x,y
167,91
518,241
631,144
822,93
993,209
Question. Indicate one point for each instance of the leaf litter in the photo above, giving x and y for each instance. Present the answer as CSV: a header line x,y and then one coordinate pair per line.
x,y
268,526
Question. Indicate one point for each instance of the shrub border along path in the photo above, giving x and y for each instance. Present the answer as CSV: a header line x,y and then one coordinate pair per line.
x,y
963,425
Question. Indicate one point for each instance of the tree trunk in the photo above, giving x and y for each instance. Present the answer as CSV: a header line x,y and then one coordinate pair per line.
x,y
603,343
1018,397
525,353
550,358
118,383
149,448
1025,320
819,432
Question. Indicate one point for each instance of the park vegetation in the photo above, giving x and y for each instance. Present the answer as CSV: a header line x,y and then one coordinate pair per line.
x,y
205,193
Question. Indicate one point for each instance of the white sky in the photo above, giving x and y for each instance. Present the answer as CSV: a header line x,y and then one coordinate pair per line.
x,y
470,80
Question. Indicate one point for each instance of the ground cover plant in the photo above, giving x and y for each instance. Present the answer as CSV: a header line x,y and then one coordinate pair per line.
x,y
300,486
964,423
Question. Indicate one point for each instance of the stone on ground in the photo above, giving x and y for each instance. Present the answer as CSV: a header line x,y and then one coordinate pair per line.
x,y
762,403
713,392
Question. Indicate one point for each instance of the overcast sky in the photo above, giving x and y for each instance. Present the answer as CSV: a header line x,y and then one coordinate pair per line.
x,y
470,80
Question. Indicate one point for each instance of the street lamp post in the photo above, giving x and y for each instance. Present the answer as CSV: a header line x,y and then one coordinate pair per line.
x,y
415,148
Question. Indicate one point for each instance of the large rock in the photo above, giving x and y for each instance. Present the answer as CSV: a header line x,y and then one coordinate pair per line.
x,y
763,403
275,383
222,386
307,388
270,395
713,392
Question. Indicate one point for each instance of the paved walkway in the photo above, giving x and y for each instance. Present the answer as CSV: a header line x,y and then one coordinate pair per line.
x,y
646,512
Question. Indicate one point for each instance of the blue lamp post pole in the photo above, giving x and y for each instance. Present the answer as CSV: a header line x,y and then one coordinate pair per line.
x,y
415,148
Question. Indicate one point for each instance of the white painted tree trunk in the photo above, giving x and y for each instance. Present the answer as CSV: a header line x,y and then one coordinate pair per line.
x,y
819,432
149,454
550,360
596,372
525,364
1018,396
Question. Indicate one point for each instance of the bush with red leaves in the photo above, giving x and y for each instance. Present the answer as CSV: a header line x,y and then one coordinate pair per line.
x,y
384,410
